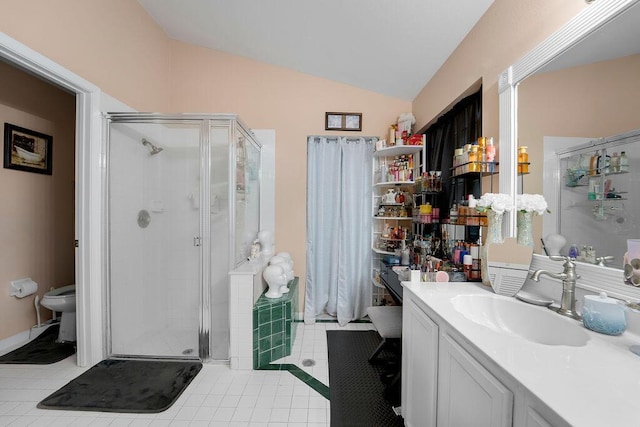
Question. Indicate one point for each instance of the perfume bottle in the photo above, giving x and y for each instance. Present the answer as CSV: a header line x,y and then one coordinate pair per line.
x,y
574,252
523,160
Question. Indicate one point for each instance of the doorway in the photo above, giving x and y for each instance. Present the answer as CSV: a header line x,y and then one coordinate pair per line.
x,y
88,233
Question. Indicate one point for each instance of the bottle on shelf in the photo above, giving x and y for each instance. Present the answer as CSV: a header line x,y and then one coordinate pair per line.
x,y
604,162
473,159
490,151
615,163
453,214
593,164
624,162
384,174
472,213
523,160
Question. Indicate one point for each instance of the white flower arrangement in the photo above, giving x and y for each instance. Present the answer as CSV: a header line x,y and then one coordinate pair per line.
x,y
531,203
497,202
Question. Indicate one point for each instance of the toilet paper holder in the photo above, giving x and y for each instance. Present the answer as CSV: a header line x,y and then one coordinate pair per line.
x,y
23,287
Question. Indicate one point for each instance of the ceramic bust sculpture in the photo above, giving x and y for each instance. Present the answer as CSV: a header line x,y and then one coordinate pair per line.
x,y
287,257
286,266
266,242
275,278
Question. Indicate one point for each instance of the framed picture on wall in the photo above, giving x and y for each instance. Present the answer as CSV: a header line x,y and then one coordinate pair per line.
x,y
27,150
343,121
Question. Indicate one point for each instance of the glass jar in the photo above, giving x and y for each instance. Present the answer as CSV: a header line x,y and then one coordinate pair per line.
x,y
624,162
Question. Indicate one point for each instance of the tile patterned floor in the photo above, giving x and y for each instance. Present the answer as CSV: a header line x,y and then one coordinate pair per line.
x,y
218,396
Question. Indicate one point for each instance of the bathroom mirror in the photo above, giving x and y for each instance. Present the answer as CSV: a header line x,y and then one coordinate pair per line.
x,y
580,82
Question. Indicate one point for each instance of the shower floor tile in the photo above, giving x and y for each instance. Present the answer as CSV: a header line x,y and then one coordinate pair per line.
x,y
217,396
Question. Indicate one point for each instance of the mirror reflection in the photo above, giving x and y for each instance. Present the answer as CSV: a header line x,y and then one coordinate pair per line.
x,y
576,105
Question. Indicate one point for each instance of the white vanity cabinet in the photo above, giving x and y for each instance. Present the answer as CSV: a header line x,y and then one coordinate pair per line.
x,y
447,382
419,366
468,394
530,412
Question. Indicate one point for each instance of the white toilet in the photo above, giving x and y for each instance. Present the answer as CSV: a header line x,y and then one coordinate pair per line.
x,y
63,300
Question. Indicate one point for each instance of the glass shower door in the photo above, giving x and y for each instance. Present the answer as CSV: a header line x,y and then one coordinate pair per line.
x,y
154,246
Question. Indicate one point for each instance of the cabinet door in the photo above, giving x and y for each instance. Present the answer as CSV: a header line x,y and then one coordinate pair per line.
x,y
468,395
534,413
419,366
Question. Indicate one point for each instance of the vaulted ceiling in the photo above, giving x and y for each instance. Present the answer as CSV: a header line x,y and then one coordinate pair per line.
x,y
388,47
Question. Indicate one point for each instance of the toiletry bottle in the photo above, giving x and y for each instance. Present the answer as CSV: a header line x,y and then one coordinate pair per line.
x,y
573,251
592,188
523,160
604,162
473,159
615,163
624,162
453,214
593,164
490,150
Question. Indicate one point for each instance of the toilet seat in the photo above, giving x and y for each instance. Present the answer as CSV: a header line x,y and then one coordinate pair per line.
x,y
61,299
61,292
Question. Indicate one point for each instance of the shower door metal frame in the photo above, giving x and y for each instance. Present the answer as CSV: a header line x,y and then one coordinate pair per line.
x,y
206,121
204,313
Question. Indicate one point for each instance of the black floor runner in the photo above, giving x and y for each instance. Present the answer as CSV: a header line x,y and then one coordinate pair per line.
x,y
357,392
139,386
42,350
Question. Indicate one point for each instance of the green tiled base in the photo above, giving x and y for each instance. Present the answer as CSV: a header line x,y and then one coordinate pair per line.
x,y
274,329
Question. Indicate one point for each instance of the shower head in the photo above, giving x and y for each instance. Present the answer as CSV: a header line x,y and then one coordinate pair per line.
x,y
154,149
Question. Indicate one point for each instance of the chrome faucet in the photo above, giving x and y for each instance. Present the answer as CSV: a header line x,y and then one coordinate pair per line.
x,y
568,277
602,260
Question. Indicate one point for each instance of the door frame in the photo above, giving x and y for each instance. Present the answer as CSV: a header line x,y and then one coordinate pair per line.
x,y
88,192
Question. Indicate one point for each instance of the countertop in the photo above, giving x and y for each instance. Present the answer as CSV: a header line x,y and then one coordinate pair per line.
x,y
594,385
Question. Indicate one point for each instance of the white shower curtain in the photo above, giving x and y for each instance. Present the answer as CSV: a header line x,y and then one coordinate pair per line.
x,y
339,214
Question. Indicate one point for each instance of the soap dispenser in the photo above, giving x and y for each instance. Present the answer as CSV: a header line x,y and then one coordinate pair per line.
x,y
603,314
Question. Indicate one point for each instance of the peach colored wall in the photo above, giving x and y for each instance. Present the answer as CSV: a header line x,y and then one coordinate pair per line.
x,y
596,100
116,46
113,44
290,102
507,31
37,211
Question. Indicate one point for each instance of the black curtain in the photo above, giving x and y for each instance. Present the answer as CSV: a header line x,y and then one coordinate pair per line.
x,y
459,126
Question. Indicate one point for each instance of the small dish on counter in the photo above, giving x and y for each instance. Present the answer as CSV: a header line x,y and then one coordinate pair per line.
x,y
533,299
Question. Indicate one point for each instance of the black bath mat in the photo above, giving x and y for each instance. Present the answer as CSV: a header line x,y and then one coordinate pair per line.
x,y
42,350
138,386
355,387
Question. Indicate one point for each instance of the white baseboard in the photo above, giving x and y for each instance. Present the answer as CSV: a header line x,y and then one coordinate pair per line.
x,y
13,342
21,338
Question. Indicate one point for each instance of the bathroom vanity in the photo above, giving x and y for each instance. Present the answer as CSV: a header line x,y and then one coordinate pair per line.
x,y
472,357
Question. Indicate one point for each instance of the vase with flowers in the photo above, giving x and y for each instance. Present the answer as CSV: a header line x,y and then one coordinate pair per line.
x,y
528,205
494,205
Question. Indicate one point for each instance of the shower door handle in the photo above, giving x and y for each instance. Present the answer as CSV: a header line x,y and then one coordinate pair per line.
x,y
196,241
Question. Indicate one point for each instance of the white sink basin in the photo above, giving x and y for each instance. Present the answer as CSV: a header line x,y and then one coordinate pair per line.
x,y
533,323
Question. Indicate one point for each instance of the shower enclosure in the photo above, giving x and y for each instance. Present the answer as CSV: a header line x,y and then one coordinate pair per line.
x,y
183,207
